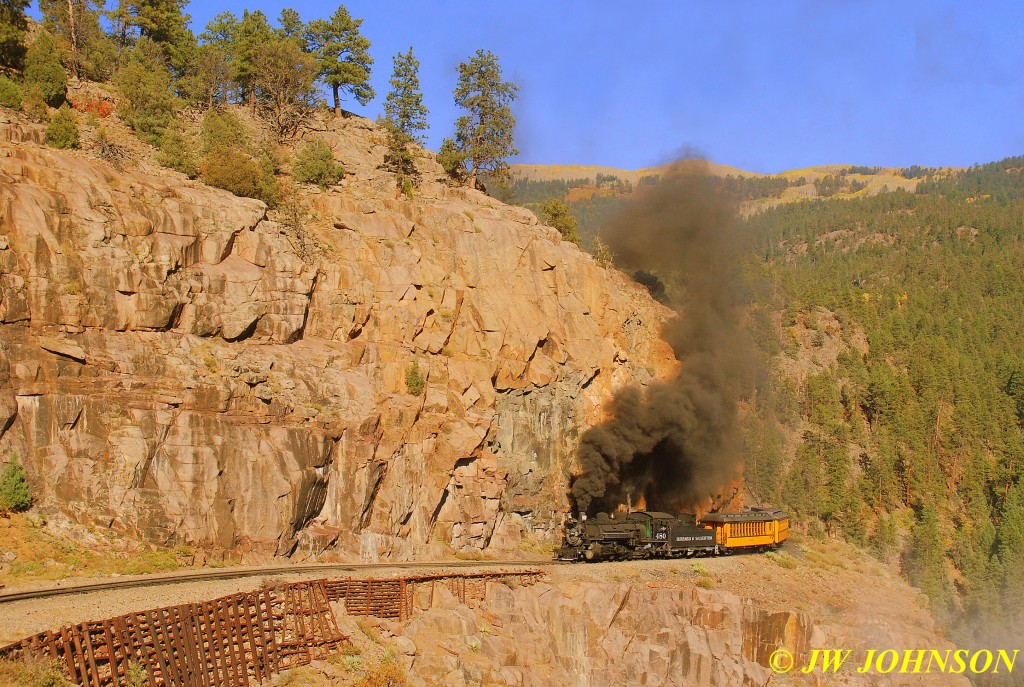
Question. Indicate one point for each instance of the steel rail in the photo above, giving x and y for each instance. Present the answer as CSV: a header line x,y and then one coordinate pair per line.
x,y
264,571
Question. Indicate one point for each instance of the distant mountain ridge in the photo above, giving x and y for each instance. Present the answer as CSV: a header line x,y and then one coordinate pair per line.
x,y
567,172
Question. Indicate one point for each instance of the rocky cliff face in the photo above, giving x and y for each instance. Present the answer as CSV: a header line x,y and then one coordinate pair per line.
x,y
654,623
179,366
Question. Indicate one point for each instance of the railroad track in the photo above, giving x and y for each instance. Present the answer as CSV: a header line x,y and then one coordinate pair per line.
x,y
264,571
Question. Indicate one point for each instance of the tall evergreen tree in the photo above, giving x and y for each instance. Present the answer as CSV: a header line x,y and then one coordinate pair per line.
x,y
343,56
13,23
165,23
213,67
405,114
291,26
486,134
250,38
87,52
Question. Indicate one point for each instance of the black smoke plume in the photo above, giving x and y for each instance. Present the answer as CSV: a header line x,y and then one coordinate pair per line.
x,y
677,443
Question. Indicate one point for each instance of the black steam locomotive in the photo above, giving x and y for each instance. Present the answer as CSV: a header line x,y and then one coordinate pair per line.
x,y
650,534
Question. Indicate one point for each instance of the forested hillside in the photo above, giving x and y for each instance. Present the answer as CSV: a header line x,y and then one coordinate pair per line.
x,y
893,414
922,432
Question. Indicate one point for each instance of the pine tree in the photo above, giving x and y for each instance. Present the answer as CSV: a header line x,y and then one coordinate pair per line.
x,y
207,76
292,26
405,115
165,23
213,69
148,102
87,50
13,23
486,134
343,56
1011,547
249,39
43,69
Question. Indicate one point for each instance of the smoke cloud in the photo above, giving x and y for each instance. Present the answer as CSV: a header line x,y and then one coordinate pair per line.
x,y
679,442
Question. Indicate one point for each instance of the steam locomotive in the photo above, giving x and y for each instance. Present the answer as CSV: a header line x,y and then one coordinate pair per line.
x,y
650,534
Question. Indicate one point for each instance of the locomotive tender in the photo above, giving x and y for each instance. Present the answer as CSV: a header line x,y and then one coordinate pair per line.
x,y
651,534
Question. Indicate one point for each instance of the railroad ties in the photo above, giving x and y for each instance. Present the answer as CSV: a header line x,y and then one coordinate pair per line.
x,y
240,639
393,598
227,642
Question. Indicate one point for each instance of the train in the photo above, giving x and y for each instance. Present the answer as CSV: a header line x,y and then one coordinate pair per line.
x,y
652,534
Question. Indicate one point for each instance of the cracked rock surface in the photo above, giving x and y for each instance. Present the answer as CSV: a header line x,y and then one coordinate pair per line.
x,y
179,366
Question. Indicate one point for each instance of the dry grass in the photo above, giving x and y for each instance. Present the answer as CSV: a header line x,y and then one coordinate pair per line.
x,y
781,559
43,555
31,671
383,673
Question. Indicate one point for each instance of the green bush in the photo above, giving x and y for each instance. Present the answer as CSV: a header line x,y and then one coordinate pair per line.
x,y
223,129
453,160
62,131
414,380
315,164
557,214
43,69
176,152
15,494
147,102
10,94
34,105
236,171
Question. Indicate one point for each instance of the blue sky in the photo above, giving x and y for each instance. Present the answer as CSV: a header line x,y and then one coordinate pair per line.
x,y
764,86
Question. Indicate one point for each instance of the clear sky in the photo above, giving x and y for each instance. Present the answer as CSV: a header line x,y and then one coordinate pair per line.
x,y
764,86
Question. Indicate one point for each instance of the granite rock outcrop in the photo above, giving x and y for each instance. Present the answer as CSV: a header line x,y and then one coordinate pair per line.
x,y
187,367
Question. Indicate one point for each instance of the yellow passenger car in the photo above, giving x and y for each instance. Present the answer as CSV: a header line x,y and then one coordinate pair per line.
x,y
754,528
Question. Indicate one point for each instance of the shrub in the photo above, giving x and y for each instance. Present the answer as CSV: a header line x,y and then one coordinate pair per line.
x,y
137,675
782,559
32,670
700,568
414,380
176,152
43,69
238,172
15,494
10,94
222,129
62,131
97,107
383,673
557,214
315,164
34,104
453,160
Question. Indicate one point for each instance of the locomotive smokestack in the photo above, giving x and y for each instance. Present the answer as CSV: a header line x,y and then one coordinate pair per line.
x,y
678,442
